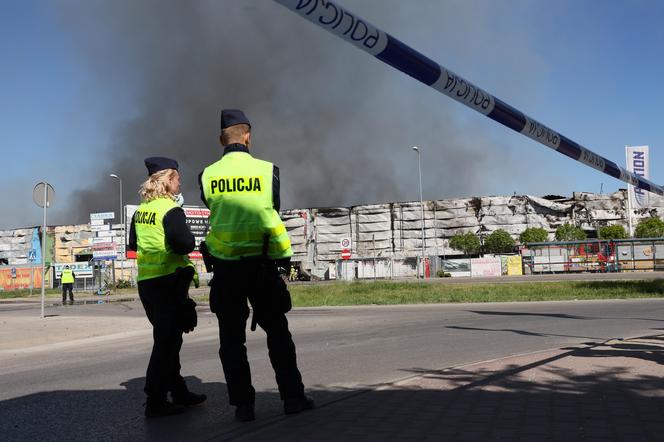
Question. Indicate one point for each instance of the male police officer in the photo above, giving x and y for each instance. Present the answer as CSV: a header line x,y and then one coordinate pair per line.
x,y
246,241
161,236
67,279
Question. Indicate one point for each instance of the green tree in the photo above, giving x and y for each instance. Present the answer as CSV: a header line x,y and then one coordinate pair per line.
x,y
499,241
568,232
468,243
533,234
612,232
650,228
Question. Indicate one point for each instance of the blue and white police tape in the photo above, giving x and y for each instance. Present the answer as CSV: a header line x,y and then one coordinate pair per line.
x,y
388,49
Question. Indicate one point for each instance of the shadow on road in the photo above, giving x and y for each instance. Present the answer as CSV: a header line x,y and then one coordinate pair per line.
x,y
104,414
559,397
548,315
556,315
607,391
515,331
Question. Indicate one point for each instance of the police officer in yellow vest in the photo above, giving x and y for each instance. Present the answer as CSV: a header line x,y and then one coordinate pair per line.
x,y
160,235
67,280
246,241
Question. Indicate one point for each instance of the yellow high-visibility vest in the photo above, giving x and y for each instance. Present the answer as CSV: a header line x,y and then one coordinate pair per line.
x,y
154,256
67,276
238,191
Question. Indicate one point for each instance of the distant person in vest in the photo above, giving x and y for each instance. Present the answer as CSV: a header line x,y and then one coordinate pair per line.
x,y
67,278
160,235
246,242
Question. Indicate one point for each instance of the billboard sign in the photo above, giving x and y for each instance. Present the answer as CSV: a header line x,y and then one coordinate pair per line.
x,y
485,267
19,278
638,163
80,269
197,220
104,250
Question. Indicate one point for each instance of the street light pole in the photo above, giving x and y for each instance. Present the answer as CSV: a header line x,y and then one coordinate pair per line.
x,y
122,217
419,170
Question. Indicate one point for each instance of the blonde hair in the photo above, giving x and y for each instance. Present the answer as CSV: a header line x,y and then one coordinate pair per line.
x,y
234,134
156,185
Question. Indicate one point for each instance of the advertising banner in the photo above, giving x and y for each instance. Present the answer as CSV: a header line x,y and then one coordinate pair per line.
x,y
457,267
514,266
638,163
197,220
485,267
105,250
36,251
15,278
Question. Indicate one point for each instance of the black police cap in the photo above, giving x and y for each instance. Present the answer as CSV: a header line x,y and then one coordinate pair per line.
x,y
233,117
155,164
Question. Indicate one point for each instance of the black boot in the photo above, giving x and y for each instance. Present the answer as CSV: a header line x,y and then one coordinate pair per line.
x,y
292,406
159,408
245,413
188,398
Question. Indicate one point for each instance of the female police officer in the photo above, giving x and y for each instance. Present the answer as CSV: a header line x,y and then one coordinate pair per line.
x,y
162,239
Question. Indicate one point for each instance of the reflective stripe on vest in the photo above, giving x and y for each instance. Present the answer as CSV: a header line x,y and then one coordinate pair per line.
x,y
154,256
67,276
238,190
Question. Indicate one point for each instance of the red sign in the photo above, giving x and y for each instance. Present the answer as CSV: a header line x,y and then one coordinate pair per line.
x,y
345,254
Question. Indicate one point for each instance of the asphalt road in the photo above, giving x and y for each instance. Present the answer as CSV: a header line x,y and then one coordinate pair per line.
x,y
89,386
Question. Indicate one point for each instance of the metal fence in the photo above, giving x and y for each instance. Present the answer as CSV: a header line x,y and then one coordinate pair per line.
x,y
594,256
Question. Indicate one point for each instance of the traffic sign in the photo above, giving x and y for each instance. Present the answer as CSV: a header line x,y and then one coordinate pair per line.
x,y
32,255
345,254
41,192
345,243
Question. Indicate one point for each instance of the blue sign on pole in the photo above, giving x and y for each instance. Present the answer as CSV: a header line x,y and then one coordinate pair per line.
x,y
32,255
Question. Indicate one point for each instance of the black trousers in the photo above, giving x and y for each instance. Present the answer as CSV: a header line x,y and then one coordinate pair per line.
x,y
234,283
162,305
68,287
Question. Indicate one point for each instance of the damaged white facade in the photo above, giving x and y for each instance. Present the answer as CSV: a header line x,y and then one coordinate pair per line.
x,y
390,230
393,230
15,245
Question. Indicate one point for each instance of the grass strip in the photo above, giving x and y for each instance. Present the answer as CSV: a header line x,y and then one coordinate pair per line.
x,y
387,292
392,292
55,293
25,293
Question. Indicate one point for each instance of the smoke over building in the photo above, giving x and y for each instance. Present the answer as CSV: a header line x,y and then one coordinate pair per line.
x,y
333,121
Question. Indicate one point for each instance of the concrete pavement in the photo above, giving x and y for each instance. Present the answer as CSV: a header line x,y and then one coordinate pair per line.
x,y
596,391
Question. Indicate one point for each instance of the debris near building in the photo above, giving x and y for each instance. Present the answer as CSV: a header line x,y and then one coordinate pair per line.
x,y
382,231
394,229
15,246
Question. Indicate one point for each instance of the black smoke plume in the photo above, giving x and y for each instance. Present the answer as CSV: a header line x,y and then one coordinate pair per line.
x,y
338,123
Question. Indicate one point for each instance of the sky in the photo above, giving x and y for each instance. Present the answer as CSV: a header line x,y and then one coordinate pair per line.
x,y
92,87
